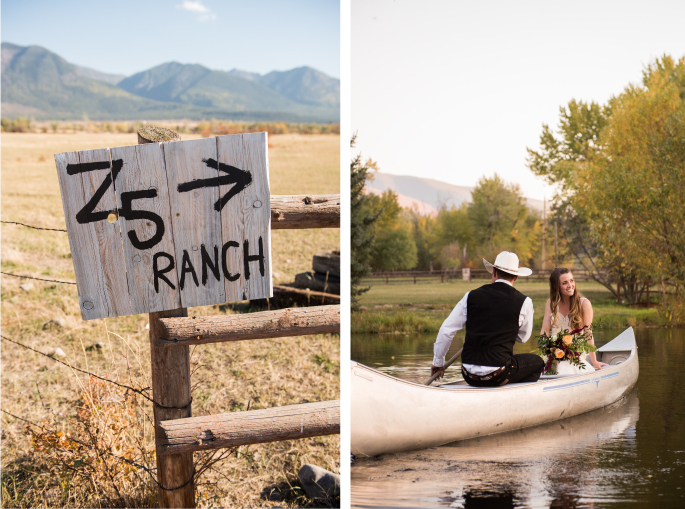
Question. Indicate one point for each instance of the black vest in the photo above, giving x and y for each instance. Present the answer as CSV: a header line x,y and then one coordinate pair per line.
x,y
492,324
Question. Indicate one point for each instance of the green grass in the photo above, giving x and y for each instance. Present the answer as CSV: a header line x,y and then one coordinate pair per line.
x,y
422,307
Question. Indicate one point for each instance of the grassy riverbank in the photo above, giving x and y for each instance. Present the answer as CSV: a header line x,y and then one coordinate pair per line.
x,y
226,377
422,307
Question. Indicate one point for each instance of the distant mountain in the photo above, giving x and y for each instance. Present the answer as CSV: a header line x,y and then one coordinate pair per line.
x,y
246,75
427,194
303,85
199,86
112,79
41,84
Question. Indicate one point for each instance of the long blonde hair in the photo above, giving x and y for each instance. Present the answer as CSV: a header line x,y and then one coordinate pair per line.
x,y
575,313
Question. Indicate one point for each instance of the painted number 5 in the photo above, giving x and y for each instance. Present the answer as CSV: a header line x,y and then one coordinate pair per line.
x,y
88,215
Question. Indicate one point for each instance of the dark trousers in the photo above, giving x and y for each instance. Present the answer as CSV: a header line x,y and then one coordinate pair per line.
x,y
523,367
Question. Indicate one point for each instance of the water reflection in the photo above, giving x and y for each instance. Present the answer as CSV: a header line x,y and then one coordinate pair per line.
x,y
632,453
549,465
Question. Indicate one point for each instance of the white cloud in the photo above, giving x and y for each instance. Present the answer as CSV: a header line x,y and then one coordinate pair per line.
x,y
198,8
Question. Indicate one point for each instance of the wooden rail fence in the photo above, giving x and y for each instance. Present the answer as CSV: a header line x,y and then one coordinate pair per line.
x,y
177,433
631,291
418,276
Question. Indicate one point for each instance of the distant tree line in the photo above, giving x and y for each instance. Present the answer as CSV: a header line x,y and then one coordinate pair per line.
x,y
496,219
205,128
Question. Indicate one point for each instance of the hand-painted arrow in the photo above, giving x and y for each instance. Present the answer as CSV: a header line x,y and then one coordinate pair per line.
x,y
240,178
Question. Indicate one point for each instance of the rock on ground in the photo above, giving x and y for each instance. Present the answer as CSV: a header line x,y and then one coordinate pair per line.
x,y
318,482
55,352
55,322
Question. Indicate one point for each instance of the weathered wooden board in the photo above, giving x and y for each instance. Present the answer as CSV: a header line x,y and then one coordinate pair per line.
x,y
189,225
196,224
88,196
246,219
148,239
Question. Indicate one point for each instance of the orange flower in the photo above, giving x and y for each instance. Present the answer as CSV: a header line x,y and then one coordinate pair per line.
x,y
559,354
567,339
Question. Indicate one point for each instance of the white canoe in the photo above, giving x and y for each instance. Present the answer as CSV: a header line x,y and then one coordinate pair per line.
x,y
393,415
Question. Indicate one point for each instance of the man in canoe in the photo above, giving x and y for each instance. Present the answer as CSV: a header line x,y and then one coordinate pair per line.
x,y
495,316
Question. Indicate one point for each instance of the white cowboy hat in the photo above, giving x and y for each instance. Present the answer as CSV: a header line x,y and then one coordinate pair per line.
x,y
507,262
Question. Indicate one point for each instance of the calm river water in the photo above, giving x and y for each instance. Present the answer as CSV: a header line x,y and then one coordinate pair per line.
x,y
631,454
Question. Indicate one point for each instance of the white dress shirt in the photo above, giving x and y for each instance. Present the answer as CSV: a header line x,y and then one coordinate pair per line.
x,y
457,320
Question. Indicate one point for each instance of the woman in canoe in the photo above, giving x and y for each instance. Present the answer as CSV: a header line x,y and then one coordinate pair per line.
x,y
568,309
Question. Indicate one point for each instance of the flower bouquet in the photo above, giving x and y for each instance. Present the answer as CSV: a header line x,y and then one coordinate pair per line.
x,y
565,345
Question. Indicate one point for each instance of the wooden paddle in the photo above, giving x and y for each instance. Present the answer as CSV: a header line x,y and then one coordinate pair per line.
x,y
447,365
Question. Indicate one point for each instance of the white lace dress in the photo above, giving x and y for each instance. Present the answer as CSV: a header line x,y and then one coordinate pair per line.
x,y
565,367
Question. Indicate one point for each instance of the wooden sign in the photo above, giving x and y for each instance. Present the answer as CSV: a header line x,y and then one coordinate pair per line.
x,y
162,226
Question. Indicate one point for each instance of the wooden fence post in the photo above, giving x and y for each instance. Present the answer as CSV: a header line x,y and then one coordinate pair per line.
x,y
171,392
170,387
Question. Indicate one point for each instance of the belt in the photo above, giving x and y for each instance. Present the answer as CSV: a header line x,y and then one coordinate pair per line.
x,y
483,378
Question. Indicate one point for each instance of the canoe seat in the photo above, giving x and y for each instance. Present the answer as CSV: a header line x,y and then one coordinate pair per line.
x,y
614,358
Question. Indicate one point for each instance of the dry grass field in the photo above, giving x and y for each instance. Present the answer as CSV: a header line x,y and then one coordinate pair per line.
x,y
50,469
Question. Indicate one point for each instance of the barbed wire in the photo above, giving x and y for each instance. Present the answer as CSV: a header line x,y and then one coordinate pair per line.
x,y
137,391
34,227
123,386
37,278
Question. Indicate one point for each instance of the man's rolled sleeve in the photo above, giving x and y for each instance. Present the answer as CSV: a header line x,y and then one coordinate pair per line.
x,y
525,321
455,322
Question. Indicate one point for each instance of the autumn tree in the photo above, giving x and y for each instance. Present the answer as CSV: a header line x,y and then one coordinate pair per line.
x,y
633,189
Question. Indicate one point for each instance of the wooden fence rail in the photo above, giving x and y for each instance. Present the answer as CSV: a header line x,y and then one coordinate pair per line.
x,y
296,212
254,427
265,324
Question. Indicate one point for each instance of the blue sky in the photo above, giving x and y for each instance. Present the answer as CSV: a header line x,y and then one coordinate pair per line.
x,y
125,37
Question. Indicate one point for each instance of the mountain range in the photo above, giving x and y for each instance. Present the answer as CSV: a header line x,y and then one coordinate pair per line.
x,y
426,195
41,84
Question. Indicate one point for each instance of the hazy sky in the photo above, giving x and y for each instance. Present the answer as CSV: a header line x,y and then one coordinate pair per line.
x,y
125,37
455,90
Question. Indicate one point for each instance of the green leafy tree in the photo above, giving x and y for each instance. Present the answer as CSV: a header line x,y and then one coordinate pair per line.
x,y
502,221
564,154
561,159
393,247
453,234
422,231
361,232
